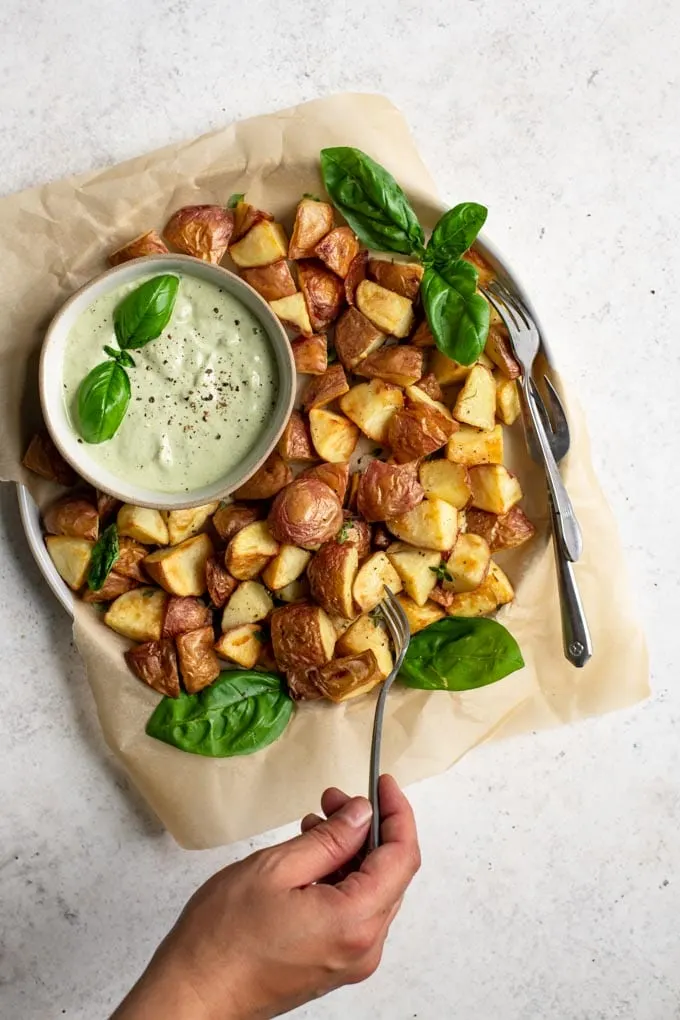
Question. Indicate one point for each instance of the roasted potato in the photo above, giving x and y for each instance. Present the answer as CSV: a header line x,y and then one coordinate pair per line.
x,y
287,565
468,564
420,429
301,685
419,617
485,362
417,397
445,599
423,336
399,364
302,635
323,292
353,491
180,569
366,634
348,677
417,569
445,480
494,591
271,282
219,582
150,243
388,311
43,458
138,614
313,220
144,525
433,524
242,645
183,613
355,274
155,662
371,406
355,532
245,217
370,582
507,401
499,350
310,354
107,505
130,556
446,370
499,584
296,591
273,476
482,523
232,517
337,250
185,523
71,557
263,244
469,446
506,532
203,231
295,443
77,518
494,488
381,538
250,603
333,435
476,402
355,338
401,277
387,490
323,389
429,385
293,311
486,273
250,550
335,476
331,576
113,586
198,663
306,513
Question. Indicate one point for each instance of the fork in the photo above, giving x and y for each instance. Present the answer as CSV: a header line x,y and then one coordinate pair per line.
x,y
400,632
525,342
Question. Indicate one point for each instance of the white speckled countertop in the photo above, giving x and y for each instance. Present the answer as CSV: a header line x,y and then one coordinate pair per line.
x,y
551,881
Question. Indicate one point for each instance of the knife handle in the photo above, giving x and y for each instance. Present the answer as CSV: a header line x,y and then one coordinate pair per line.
x,y
578,646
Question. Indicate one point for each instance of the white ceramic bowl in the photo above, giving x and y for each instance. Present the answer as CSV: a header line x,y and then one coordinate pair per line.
x,y
78,454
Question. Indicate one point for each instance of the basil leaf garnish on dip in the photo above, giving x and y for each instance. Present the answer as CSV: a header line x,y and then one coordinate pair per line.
x,y
145,312
103,398
460,654
104,554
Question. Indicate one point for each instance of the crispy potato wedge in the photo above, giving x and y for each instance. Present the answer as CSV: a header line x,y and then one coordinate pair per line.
x,y
306,513
323,291
423,336
138,614
420,617
144,525
419,430
245,217
366,634
263,244
417,569
296,591
155,662
287,565
507,401
356,338
446,370
75,517
355,532
183,524
433,524
486,273
150,243
250,550
313,220
183,613
331,577
71,556
273,476
401,277
476,402
271,282
295,443
494,591
203,231
371,406
302,635
445,480
388,311
369,584
130,556
400,364
293,311
230,518
180,569
198,663
242,645
348,677
429,385
310,354
219,582
387,490
468,564
469,446
323,389
43,458
335,476
301,685
114,585
355,274
107,505
494,488
333,435
499,350
250,603
499,584
337,250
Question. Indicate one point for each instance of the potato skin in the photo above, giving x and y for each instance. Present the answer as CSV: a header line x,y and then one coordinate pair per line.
x,y
183,613
355,532
296,636
301,686
310,354
387,490
230,519
271,282
322,389
335,476
401,277
513,529
355,338
429,385
107,506
198,662
295,443
355,274
114,585
203,231
400,364
323,292
245,217
267,480
306,513
43,458
348,676
416,431
381,539
337,250
150,243
219,581
313,220
155,662
77,518
331,576
423,336
130,556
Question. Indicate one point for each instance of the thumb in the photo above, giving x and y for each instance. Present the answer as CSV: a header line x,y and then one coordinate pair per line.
x,y
330,844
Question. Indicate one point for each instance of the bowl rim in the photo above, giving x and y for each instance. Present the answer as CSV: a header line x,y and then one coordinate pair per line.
x,y
278,338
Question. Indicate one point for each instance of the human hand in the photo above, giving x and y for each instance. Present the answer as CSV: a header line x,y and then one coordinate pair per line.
x,y
287,924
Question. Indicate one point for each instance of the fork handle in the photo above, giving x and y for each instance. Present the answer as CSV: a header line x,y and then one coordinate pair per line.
x,y
578,646
566,525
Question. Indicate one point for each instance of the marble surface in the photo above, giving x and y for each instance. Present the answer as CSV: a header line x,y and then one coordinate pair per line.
x,y
551,882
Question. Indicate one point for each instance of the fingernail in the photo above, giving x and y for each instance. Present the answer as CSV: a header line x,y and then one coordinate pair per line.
x,y
356,812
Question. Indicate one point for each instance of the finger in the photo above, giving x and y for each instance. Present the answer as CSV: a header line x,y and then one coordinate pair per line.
x,y
332,800
309,821
324,848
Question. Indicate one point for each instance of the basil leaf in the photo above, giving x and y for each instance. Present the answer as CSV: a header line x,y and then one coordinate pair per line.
x,y
460,654
122,357
145,312
457,316
235,199
455,232
103,397
371,201
104,555
242,712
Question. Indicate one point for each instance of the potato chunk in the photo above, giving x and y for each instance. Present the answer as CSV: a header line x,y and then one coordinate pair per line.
x,y
72,516
470,446
242,645
296,591
423,336
313,220
445,480
185,523
468,564
355,274
231,517
113,586
366,634
245,217
323,292
371,406
71,557
250,603
494,488
155,662
184,613
138,614
507,401
145,525
417,569
433,524
203,231
387,490
419,617
273,476
293,311
264,243
417,431
43,458
356,338
295,443
348,677
197,660
335,476
250,550
337,250
302,635
494,591
400,364
333,435
513,529
331,577
180,569
307,513
499,350
219,581
401,277
476,402
446,370
287,565
271,282
150,243
388,311
310,354
323,389
369,585
130,557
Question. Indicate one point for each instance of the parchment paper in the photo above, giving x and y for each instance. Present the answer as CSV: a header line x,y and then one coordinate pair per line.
x,y
55,238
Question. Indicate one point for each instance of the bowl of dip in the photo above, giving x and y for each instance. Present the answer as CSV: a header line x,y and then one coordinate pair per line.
x,y
209,397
